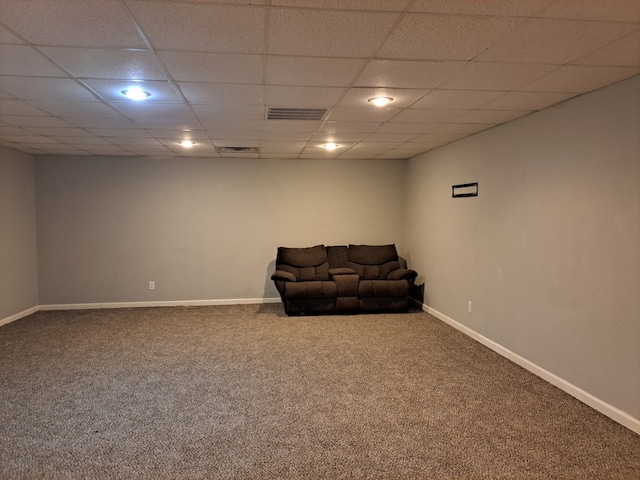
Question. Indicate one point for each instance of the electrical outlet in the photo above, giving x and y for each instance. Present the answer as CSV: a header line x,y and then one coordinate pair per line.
x,y
152,285
469,306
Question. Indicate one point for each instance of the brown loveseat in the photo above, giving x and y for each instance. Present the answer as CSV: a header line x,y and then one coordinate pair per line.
x,y
342,279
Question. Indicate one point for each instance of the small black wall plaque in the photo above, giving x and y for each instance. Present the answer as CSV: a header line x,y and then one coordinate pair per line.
x,y
464,190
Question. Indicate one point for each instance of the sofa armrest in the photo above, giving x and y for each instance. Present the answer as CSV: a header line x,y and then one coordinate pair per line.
x,y
283,276
341,271
402,274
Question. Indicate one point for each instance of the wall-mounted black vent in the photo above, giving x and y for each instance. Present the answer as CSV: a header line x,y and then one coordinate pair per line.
x,y
464,190
285,113
237,149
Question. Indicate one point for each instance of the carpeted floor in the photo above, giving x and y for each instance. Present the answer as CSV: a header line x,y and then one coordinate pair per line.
x,y
244,392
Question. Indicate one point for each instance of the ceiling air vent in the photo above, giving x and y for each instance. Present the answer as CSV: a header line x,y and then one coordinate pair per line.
x,y
237,149
284,113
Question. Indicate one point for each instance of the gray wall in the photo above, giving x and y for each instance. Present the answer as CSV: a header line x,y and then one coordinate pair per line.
x,y
202,229
18,254
549,252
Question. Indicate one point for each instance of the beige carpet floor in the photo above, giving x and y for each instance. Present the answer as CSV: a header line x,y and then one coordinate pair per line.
x,y
244,392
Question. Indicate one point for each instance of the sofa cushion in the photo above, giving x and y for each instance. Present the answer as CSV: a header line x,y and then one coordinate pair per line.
x,y
383,288
306,264
373,262
311,290
303,257
372,254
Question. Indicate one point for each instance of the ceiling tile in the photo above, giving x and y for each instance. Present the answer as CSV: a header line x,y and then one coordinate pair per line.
x,y
554,41
578,79
421,115
35,121
39,88
281,136
327,72
76,109
374,5
402,127
80,140
27,61
238,136
371,114
201,27
484,7
268,146
460,128
445,37
100,122
491,116
349,127
229,127
213,67
10,130
456,99
61,132
18,107
228,112
127,64
127,141
621,53
30,139
111,91
320,33
389,137
618,10
407,74
6,36
439,138
119,132
526,100
377,147
107,150
136,110
195,135
495,76
290,125
343,137
166,122
83,23
221,93
302,96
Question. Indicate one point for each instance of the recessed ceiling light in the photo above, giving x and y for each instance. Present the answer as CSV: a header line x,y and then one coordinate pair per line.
x,y
380,101
330,146
187,143
135,93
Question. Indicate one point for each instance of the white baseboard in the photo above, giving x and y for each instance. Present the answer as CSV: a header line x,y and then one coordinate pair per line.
x,y
171,303
610,411
165,303
20,315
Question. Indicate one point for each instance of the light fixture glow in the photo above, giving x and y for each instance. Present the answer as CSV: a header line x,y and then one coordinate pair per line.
x,y
380,101
330,146
187,143
135,93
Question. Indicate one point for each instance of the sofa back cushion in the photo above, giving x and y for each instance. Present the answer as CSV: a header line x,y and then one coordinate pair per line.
x,y
373,262
307,264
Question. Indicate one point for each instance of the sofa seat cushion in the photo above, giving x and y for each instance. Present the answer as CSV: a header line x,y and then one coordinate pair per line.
x,y
383,288
311,289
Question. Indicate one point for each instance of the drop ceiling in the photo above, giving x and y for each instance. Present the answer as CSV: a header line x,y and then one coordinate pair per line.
x,y
214,69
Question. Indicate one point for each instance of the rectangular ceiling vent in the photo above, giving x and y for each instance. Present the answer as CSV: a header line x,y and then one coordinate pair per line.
x,y
286,113
237,149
